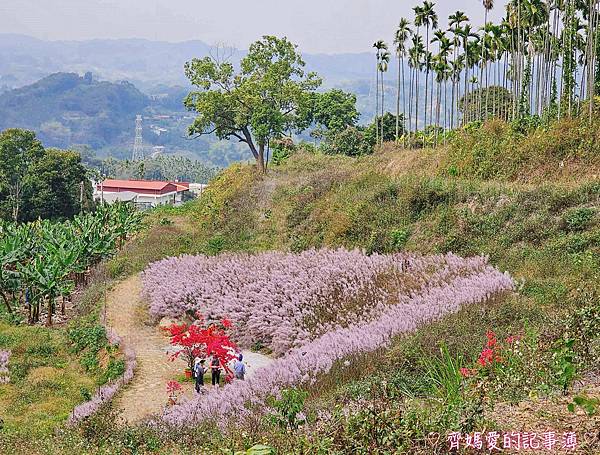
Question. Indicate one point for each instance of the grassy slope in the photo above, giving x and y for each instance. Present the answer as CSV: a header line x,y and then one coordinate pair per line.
x,y
46,381
530,203
48,378
517,199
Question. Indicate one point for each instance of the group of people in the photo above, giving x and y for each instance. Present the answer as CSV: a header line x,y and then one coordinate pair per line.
x,y
216,366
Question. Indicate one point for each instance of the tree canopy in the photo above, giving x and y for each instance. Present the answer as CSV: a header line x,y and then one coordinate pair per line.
x,y
268,96
334,110
39,183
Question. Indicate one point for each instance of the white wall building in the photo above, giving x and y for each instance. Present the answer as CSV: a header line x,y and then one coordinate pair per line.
x,y
143,193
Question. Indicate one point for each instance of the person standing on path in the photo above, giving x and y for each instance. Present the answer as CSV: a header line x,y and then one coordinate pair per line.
x,y
199,371
196,362
239,368
215,367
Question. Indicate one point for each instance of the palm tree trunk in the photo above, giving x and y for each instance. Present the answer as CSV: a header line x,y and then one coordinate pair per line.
x,y
398,103
417,70
377,102
410,97
452,107
426,74
437,109
466,91
382,106
445,107
591,58
403,99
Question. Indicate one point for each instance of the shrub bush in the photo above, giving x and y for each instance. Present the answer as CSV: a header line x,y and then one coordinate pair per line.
x,y
579,219
350,142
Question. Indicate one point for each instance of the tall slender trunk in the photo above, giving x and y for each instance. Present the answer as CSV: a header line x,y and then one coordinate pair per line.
x,y
519,52
427,62
417,70
466,94
410,97
403,99
445,107
591,58
377,101
431,99
398,103
382,105
452,102
437,109
453,84
483,63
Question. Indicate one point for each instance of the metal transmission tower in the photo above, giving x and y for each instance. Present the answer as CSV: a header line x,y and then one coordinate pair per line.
x,y
138,148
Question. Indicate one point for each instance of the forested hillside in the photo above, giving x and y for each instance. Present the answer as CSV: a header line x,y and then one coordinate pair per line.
x,y
66,109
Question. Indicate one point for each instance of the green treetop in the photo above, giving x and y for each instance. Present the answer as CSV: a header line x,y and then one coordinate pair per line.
x,y
266,98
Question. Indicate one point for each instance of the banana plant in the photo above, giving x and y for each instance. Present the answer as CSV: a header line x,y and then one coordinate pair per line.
x,y
44,260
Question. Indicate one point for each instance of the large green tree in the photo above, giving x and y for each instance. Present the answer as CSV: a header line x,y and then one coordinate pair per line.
x,y
333,111
18,150
56,186
265,99
38,183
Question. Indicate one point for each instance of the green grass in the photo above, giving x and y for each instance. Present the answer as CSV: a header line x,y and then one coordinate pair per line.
x,y
46,381
530,202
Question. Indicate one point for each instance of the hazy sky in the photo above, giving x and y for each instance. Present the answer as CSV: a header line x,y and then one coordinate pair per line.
x,y
328,26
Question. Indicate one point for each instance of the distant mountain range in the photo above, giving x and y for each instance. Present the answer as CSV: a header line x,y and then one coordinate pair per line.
x,y
44,87
24,60
66,110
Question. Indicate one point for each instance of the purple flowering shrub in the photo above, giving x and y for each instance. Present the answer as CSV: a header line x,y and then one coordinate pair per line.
x,y
313,310
106,392
4,377
301,366
282,301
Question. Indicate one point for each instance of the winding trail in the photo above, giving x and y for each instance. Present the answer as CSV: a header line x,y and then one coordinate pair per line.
x,y
146,394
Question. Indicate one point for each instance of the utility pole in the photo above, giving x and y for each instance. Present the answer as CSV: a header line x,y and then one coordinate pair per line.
x,y
81,197
138,147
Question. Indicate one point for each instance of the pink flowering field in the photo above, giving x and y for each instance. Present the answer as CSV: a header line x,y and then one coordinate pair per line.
x,y
312,310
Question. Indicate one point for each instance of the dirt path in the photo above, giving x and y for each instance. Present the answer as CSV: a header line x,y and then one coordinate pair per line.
x,y
146,394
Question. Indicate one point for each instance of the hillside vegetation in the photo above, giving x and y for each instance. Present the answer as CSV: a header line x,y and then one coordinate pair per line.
x,y
68,109
482,193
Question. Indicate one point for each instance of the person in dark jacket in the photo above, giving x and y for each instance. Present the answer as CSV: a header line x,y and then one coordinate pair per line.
x,y
199,371
215,368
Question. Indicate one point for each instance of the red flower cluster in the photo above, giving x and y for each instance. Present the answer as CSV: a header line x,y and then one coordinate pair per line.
x,y
491,351
489,355
173,387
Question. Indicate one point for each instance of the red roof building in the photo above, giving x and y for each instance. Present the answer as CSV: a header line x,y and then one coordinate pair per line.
x,y
144,193
139,186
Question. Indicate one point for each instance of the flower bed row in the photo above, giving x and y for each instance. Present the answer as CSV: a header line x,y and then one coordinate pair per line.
x,y
282,301
301,366
4,376
106,392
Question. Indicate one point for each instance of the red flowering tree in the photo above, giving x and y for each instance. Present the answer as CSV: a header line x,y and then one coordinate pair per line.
x,y
201,340
174,391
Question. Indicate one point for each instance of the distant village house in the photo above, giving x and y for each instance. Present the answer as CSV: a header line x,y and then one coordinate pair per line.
x,y
144,194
